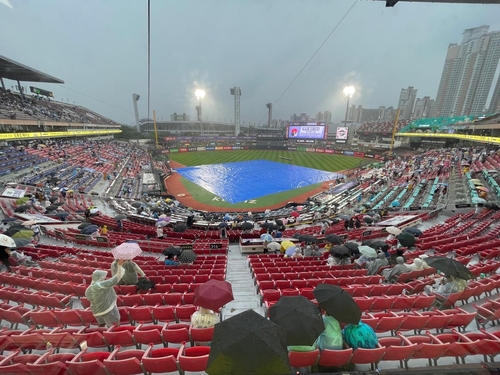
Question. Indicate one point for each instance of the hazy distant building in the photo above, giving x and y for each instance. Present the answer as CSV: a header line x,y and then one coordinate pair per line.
x,y
303,117
179,117
354,114
386,113
407,102
468,73
325,117
369,115
424,108
495,99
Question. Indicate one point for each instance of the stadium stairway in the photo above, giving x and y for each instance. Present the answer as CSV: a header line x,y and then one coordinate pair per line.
x,y
245,293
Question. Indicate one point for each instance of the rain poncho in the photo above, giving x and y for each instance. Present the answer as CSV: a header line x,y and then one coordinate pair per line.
x,y
417,265
100,293
131,270
360,336
374,266
331,337
393,273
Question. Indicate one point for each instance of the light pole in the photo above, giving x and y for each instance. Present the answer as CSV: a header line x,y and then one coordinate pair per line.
x,y
349,92
200,94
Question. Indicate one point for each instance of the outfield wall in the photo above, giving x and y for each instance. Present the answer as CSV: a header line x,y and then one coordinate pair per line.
x,y
299,149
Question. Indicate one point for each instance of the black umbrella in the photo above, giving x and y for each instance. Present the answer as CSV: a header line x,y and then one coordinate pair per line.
x,y
83,225
307,238
179,228
376,244
51,208
90,229
272,227
353,247
414,231
22,208
367,205
53,199
20,242
279,222
187,256
406,239
57,204
301,319
340,251
367,219
120,217
223,225
296,235
247,226
136,204
248,343
492,206
62,214
450,267
265,225
156,209
9,220
172,250
334,239
337,303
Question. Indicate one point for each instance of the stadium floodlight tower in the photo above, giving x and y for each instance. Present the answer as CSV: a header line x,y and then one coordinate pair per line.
x,y
269,107
135,99
349,92
200,94
236,92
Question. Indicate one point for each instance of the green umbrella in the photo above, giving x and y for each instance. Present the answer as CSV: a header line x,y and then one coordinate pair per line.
x,y
22,200
25,233
406,239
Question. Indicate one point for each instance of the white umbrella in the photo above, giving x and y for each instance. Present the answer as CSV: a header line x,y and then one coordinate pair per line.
x,y
367,251
161,223
274,246
393,230
6,241
29,223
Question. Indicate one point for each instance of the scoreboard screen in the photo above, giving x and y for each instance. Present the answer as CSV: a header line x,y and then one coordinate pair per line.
x,y
36,90
306,131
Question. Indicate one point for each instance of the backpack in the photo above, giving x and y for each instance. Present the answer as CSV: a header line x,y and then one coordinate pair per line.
x,y
145,284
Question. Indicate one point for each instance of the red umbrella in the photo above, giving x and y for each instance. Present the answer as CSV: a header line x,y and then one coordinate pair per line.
x,y
213,294
295,214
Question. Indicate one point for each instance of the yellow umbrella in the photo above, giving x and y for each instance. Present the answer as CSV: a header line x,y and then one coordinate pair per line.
x,y
476,180
286,244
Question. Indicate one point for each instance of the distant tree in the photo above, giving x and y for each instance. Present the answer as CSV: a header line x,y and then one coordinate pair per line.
x,y
129,132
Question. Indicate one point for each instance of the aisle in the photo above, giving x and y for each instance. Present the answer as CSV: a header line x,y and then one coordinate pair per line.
x,y
244,290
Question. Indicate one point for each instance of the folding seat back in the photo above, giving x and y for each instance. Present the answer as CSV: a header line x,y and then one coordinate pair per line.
x,y
140,314
368,356
123,363
176,333
122,336
194,359
163,360
335,358
303,359
146,334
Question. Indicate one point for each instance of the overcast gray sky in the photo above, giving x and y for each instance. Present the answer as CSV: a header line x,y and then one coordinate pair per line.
x,y
99,48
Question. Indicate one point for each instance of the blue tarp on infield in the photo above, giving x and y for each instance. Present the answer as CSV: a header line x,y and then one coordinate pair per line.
x,y
240,181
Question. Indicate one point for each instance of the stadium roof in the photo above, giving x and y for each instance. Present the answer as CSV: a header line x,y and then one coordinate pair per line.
x,y
11,69
391,3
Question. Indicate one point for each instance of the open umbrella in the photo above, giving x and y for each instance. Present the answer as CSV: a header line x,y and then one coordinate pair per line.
x,y
377,245
127,250
340,251
58,204
273,246
301,319
450,267
286,244
266,237
248,343
22,208
344,217
62,214
368,251
51,208
90,229
414,231
223,225
395,204
6,241
492,206
9,220
53,199
21,242
136,204
367,219
279,222
393,230
120,217
180,228
307,238
156,209
172,250
475,180
22,200
247,226
161,223
337,303
353,247
213,294
295,214
83,225
29,223
482,188
291,250
187,256
474,200
334,239
406,239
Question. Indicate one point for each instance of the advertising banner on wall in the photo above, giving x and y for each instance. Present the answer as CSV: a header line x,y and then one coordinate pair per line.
x,y
359,154
184,149
219,148
309,149
210,148
349,153
327,151
192,149
292,148
301,148
339,151
201,148
227,148
371,156
320,150
174,150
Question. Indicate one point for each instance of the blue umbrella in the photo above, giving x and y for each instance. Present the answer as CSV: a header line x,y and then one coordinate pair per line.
x,y
266,237
90,229
290,251
395,204
478,200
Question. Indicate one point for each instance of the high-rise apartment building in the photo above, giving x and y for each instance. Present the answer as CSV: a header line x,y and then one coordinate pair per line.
x,y
468,73
424,108
407,102
495,99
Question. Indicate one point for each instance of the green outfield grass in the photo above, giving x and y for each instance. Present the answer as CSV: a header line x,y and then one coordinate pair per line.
x,y
326,162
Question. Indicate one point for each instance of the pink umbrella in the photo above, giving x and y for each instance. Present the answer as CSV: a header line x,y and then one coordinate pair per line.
x,y
127,250
213,294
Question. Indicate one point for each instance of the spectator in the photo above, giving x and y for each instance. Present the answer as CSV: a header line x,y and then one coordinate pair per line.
x,y
298,253
159,232
169,261
22,259
316,252
417,265
102,296
324,227
392,274
204,318
381,261
331,337
130,274
4,257
104,230
360,336
36,232
357,223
